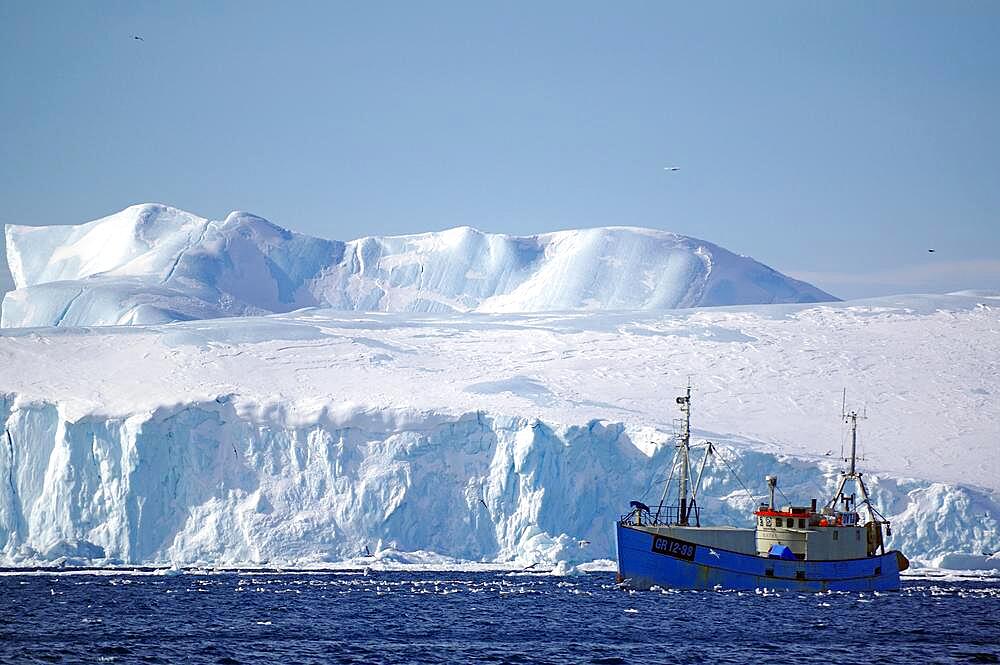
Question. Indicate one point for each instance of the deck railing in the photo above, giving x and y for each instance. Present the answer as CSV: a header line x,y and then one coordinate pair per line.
x,y
662,515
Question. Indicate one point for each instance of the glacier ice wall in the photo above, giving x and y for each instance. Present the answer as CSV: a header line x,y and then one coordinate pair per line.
x,y
215,482
153,264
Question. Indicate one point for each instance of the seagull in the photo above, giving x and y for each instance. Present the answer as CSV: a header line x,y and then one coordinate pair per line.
x,y
484,504
931,251
138,37
714,553
828,453
671,168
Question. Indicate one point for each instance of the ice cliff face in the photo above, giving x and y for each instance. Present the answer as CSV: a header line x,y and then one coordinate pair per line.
x,y
306,437
201,483
153,264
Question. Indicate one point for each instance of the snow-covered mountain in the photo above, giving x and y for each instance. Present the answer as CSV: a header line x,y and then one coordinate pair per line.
x,y
153,264
306,437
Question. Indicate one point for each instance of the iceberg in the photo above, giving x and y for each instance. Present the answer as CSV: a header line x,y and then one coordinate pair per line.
x,y
315,436
152,263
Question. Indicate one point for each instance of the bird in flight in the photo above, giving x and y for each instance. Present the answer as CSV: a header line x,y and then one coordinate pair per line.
x,y
671,168
931,251
138,37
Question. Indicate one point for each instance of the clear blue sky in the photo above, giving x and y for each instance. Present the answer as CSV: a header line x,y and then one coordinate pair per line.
x,y
833,141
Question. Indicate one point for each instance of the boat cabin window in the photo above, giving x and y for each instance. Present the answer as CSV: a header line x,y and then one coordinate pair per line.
x,y
802,524
777,521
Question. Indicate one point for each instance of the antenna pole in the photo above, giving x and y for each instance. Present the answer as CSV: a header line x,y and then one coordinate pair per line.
x,y
684,451
853,417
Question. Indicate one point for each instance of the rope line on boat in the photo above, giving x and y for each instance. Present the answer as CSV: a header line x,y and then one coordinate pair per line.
x,y
787,500
753,499
656,481
666,486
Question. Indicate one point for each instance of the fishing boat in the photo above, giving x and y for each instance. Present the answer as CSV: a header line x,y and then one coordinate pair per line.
x,y
799,548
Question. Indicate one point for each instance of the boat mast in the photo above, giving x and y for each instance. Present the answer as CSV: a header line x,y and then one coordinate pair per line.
x,y
840,500
853,473
684,449
853,417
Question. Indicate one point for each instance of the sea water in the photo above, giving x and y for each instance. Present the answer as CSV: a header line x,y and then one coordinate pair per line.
x,y
479,617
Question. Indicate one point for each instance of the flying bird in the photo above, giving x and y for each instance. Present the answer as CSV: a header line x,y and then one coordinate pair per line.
x,y
484,504
671,168
138,37
714,553
931,251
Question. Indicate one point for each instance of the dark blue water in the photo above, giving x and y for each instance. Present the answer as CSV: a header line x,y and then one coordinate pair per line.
x,y
479,618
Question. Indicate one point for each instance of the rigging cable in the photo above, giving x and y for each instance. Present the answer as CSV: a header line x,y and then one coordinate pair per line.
x,y
655,481
753,499
666,487
783,495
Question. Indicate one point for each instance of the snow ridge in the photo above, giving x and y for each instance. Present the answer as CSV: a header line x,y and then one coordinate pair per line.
x,y
152,263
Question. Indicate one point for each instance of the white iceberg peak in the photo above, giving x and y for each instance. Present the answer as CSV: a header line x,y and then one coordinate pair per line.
x,y
172,265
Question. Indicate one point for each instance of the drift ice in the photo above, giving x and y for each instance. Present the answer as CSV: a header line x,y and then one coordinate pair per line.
x,y
798,548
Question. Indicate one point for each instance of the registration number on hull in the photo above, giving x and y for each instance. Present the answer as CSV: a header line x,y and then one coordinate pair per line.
x,y
673,547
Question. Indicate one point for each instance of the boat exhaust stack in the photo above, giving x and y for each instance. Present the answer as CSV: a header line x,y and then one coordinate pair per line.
x,y
772,483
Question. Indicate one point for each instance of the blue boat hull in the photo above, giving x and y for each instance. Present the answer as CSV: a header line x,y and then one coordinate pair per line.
x,y
645,560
